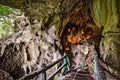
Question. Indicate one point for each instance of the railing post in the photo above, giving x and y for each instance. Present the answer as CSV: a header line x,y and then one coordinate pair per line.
x,y
66,61
95,64
43,74
96,73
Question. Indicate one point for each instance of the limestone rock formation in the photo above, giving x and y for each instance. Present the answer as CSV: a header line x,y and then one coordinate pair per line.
x,y
105,13
25,51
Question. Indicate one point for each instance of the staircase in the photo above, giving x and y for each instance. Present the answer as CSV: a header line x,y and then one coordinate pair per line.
x,y
69,74
78,76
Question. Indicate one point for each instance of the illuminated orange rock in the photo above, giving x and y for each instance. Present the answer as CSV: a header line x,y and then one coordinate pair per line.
x,y
77,26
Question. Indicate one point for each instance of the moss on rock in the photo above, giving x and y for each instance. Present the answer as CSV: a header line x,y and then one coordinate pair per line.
x,y
104,13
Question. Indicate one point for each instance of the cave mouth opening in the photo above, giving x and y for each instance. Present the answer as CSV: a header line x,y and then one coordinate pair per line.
x,y
80,37
78,26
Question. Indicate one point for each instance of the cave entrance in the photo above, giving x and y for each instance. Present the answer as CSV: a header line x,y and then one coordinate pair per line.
x,y
80,37
78,26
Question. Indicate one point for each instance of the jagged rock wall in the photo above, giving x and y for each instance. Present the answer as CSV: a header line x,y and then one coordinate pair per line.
x,y
27,49
5,76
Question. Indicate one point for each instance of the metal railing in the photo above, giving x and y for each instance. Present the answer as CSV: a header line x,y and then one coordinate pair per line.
x,y
44,68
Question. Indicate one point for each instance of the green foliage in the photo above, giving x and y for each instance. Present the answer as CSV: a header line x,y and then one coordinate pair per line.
x,y
6,27
4,9
7,16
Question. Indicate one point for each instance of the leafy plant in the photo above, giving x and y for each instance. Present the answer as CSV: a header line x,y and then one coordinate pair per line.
x,y
6,27
4,9
7,16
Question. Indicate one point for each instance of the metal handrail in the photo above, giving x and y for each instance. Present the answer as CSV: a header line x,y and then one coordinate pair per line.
x,y
52,75
45,68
